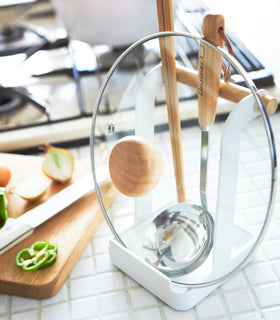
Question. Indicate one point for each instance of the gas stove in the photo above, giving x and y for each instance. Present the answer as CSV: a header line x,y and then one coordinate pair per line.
x,y
49,83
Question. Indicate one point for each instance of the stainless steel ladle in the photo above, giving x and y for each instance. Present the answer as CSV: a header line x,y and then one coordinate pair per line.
x,y
179,239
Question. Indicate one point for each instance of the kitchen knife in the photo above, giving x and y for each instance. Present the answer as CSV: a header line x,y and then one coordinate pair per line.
x,y
15,230
209,71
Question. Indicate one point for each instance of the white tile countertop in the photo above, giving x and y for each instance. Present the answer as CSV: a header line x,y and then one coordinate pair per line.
x,y
95,289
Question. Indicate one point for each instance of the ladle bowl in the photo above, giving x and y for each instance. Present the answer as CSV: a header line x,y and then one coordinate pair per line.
x,y
179,239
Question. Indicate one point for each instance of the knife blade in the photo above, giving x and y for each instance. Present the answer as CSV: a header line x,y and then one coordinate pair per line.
x,y
15,230
209,71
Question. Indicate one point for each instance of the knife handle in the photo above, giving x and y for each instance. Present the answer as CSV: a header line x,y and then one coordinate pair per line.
x,y
12,233
209,68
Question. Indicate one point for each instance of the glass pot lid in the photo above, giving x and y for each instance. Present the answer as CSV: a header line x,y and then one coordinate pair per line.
x,y
203,237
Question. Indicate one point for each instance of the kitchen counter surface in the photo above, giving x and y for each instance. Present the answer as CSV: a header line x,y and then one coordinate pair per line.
x,y
95,289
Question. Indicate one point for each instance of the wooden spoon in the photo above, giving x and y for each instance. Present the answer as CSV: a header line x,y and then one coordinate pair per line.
x,y
135,166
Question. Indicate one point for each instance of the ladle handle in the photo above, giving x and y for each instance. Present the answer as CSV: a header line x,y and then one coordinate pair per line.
x,y
209,68
167,51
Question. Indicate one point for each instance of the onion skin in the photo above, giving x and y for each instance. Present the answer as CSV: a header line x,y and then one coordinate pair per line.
x,y
5,174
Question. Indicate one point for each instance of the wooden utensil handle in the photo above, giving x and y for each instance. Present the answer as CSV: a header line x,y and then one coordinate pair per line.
x,y
229,91
209,69
167,51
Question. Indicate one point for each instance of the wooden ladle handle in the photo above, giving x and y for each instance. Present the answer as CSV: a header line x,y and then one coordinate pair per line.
x,y
209,68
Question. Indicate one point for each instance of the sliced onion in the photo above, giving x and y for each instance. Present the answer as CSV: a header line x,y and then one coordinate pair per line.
x,y
32,188
58,163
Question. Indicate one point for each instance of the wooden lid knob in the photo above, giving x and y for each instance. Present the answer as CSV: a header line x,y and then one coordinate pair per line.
x,y
135,166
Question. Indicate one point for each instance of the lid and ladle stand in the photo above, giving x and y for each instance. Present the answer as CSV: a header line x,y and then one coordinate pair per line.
x,y
178,249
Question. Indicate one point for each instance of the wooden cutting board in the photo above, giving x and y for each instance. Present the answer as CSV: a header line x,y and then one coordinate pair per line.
x,y
71,229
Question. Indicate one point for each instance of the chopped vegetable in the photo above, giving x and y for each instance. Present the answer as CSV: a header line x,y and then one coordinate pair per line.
x,y
58,163
40,255
3,205
31,188
5,174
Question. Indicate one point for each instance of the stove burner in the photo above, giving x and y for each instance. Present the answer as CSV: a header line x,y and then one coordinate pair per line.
x,y
10,33
10,101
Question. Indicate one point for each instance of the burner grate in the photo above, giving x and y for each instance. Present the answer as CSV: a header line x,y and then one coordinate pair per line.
x,y
10,33
10,101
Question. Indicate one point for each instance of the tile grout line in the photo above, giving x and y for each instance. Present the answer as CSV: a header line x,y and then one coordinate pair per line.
x,y
39,312
9,308
127,295
251,290
161,309
68,298
98,294
221,293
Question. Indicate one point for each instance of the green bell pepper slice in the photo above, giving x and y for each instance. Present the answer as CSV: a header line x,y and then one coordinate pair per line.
x,y
39,255
3,205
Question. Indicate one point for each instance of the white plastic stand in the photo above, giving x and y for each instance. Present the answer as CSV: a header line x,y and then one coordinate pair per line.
x,y
144,128
243,113
231,243
160,285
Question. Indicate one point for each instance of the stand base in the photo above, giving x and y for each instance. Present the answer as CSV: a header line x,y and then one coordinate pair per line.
x,y
178,298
